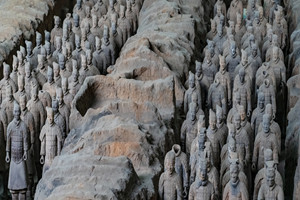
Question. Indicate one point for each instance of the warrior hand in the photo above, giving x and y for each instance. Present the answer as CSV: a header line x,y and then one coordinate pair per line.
x,y
253,166
42,160
7,159
25,156
184,194
249,113
274,115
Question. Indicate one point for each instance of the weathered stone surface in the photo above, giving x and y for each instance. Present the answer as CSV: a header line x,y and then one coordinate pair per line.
x,y
90,177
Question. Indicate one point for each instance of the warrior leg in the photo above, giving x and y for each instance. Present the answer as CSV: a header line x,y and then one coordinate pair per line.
x,y
22,195
14,195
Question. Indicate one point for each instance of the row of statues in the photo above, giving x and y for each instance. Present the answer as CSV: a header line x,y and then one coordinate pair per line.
x,y
36,94
232,139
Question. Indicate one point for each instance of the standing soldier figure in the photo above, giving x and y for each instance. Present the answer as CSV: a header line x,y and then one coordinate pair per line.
x,y
17,145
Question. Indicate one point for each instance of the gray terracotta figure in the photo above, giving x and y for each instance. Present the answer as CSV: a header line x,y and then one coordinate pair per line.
x,y
56,74
116,37
8,104
279,68
59,120
45,98
79,9
38,46
269,189
218,14
235,188
258,113
99,9
29,79
51,141
216,96
48,39
131,16
41,71
222,5
260,178
208,68
224,78
259,28
68,57
251,8
136,7
3,165
76,25
50,85
202,84
86,69
62,67
242,86
201,148
68,98
170,186
269,93
232,60
76,54
108,49
95,29
245,64
236,102
191,90
64,110
264,139
99,59
213,176
245,39
58,48
222,131
242,141
21,63
227,43
90,37
275,43
263,73
202,188
267,43
30,57
111,12
104,21
189,129
280,30
87,19
239,30
14,73
49,55
28,119
219,39
68,35
246,124
236,6
36,107
124,24
213,30
254,59
274,126
17,146
56,31
21,91
181,167
6,81
211,46
74,84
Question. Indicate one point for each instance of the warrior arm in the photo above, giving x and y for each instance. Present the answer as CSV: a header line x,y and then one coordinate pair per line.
x,y
183,136
275,151
273,100
249,100
255,151
59,141
26,143
185,172
8,139
161,187
43,142
179,188
43,116
185,105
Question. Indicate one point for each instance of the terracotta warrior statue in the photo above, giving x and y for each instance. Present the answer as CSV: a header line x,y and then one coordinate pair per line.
x,y
279,69
261,175
21,91
239,30
170,186
214,139
213,30
56,31
14,73
30,57
56,73
264,139
246,124
222,5
38,46
221,126
268,90
219,39
235,189
224,78
6,81
124,24
63,108
76,54
68,97
36,107
216,96
232,60
87,68
188,94
265,72
133,18
209,68
236,6
202,188
28,119
108,49
99,59
258,113
50,85
189,129
40,72
242,86
269,189
234,109
17,146
245,64
59,120
64,72
29,79
202,84
51,141
8,104
181,167
74,85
